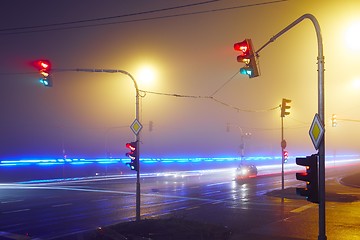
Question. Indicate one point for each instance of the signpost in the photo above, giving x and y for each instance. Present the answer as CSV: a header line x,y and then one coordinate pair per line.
x,y
316,131
136,127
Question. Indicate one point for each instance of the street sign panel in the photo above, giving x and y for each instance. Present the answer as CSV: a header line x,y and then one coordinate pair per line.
x,y
316,131
136,127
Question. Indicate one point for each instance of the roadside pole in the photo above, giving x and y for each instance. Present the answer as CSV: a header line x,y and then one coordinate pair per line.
x,y
137,116
321,113
283,145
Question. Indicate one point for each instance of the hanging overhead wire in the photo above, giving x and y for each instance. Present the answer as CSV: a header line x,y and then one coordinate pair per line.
x,y
211,98
223,85
65,25
107,18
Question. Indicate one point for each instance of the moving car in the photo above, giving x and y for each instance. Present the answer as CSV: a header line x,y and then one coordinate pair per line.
x,y
245,172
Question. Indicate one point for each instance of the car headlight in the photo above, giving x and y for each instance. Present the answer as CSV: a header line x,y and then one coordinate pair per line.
x,y
244,171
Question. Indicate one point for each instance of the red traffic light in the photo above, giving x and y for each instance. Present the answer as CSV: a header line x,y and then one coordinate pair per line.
x,y
42,65
131,146
243,47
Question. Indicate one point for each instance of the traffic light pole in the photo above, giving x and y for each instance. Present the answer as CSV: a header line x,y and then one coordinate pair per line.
x,y
321,112
282,153
137,115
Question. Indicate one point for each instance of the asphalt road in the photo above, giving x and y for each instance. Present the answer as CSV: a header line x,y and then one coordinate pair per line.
x,y
254,209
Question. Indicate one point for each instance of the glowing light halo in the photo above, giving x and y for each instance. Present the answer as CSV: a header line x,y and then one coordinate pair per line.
x,y
146,75
352,36
356,83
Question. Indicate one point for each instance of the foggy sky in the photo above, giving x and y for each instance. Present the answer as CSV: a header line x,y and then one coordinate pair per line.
x,y
89,114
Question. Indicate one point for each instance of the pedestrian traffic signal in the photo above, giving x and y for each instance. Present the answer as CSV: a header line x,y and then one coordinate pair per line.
x,y
133,155
44,67
285,156
311,191
285,107
247,56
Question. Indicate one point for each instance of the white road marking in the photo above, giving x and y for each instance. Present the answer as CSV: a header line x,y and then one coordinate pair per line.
x,y
61,205
13,201
16,211
302,208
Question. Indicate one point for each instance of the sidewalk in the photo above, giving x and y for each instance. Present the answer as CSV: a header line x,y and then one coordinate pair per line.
x,y
351,180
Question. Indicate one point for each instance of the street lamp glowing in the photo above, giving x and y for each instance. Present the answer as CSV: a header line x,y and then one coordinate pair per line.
x,y
356,83
352,36
146,75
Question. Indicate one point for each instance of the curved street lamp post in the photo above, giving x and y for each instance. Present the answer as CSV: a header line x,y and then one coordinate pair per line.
x,y
137,134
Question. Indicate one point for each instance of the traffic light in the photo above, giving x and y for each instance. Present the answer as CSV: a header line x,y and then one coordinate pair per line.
x,y
333,120
247,56
285,107
44,67
133,155
285,156
310,177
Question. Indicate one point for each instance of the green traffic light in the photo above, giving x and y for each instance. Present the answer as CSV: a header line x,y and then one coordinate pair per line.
x,y
246,71
46,82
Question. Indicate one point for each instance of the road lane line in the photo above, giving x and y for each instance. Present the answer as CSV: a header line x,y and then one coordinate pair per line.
x,y
192,208
61,205
211,193
216,184
302,208
13,201
100,200
16,211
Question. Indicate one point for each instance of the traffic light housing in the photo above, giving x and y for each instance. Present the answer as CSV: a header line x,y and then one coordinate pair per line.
x,y
333,120
44,67
311,191
285,107
133,155
247,56
285,156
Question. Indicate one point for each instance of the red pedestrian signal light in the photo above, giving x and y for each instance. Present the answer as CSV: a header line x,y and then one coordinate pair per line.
x,y
311,191
247,56
44,67
133,155
285,107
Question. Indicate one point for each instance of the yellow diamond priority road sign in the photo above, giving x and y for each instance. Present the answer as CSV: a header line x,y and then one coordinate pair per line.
x,y
136,127
316,131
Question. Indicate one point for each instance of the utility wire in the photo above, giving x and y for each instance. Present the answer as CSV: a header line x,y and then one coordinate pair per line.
x,y
107,18
211,98
231,78
18,30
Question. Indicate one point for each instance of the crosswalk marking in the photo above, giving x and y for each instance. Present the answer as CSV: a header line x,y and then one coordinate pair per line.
x,y
302,208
